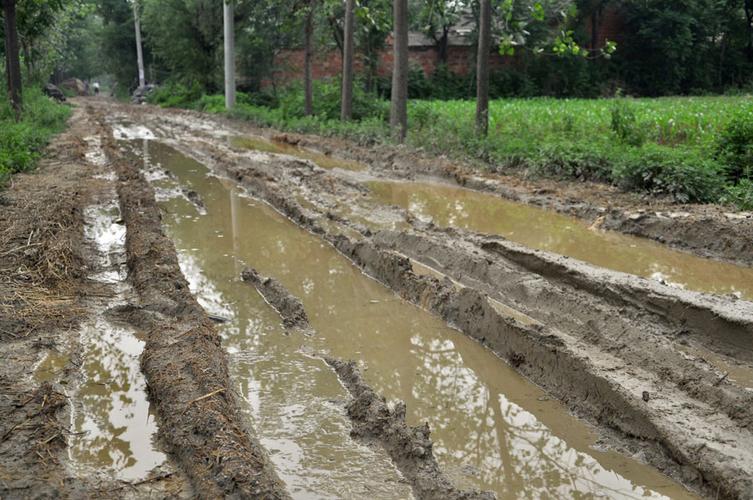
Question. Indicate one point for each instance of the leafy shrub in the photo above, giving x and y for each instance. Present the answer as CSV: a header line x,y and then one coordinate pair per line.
x,y
573,161
327,101
625,124
688,176
21,142
176,95
740,195
734,146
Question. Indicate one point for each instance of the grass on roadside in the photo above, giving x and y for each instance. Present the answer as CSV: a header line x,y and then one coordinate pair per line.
x,y
21,142
694,149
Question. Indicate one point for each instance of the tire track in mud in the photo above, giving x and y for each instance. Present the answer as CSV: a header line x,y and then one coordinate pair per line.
x,y
662,432
373,420
183,360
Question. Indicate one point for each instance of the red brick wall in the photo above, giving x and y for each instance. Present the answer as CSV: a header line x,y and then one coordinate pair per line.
x,y
610,26
460,60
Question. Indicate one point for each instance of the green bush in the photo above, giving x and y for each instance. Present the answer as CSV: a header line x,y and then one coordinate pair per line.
x,y
21,142
740,195
625,124
686,175
176,95
734,146
327,101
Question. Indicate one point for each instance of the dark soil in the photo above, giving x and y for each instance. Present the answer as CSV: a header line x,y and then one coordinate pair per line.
x,y
288,306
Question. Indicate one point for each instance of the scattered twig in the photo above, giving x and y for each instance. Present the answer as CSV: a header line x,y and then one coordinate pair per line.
x,y
201,398
724,377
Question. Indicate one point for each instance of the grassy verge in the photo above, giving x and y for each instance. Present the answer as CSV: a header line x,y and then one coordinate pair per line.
x,y
695,149
21,142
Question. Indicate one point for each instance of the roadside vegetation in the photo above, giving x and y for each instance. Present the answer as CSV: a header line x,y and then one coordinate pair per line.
x,y
21,142
695,149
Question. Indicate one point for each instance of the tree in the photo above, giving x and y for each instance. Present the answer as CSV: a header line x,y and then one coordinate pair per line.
x,y
139,52
482,67
399,107
435,18
308,56
346,108
12,57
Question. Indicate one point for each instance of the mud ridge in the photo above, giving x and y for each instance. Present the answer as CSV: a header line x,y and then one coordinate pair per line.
x,y
184,362
373,420
289,307
409,447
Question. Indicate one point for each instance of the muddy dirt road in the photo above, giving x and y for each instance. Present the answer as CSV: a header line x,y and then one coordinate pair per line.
x,y
547,356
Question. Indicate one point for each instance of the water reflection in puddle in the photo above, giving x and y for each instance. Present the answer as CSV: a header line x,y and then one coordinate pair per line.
x,y
492,429
112,426
547,230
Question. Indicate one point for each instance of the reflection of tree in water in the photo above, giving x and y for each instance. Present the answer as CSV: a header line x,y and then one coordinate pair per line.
x,y
109,377
511,450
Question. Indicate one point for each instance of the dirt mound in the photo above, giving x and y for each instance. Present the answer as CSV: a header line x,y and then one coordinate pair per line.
x,y
288,306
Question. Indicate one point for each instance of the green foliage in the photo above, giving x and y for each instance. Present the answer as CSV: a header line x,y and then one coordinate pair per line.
x,y
740,195
625,124
734,146
176,95
327,102
21,142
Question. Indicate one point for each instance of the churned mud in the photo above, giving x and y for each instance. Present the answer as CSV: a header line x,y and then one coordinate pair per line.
x,y
662,370
445,294
69,396
183,361
491,429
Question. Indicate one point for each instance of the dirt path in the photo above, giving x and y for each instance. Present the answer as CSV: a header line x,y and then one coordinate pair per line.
x,y
650,364
665,374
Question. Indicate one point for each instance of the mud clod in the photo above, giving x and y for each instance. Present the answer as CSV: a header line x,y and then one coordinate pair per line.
x,y
289,307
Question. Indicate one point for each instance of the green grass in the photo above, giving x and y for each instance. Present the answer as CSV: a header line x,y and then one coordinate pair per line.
x,y
689,148
21,142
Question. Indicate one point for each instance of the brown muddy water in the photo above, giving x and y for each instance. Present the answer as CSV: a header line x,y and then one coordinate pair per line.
x,y
542,229
113,429
492,429
266,146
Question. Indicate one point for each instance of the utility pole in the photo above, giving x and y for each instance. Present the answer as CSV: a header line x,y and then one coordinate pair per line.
x,y
228,23
308,60
399,108
12,60
139,53
346,107
482,67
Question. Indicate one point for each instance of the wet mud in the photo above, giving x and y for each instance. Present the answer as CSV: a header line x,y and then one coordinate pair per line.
x,y
648,364
288,306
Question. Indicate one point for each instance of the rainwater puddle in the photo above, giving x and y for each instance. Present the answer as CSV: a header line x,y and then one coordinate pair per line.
x,y
112,425
547,230
265,146
492,429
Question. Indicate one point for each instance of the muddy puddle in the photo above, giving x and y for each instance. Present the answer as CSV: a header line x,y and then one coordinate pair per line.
x,y
547,230
112,427
263,145
492,429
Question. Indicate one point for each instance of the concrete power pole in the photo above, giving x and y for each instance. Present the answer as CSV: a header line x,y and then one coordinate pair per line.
x,y
228,23
139,53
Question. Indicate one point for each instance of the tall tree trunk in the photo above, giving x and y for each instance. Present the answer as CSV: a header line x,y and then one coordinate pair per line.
x,y
308,56
346,107
482,67
139,51
749,28
399,108
12,58
443,45
228,22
